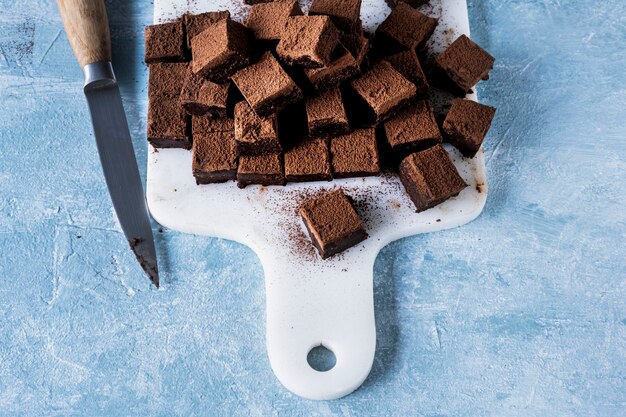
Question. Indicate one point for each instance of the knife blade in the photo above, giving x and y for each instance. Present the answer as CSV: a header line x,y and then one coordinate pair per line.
x,y
87,28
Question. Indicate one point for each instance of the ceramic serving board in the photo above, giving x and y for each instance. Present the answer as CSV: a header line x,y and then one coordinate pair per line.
x,y
310,301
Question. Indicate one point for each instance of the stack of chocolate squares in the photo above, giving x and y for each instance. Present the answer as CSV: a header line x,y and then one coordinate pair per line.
x,y
287,97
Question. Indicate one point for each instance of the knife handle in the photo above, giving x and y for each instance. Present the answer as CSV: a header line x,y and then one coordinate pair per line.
x,y
87,28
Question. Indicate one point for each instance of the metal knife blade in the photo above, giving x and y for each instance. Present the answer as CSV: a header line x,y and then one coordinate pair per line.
x,y
119,164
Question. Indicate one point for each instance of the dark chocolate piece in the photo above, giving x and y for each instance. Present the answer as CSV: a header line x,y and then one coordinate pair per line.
x,y
220,50
466,125
355,154
255,135
308,41
197,23
462,65
430,178
164,42
384,90
201,125
200,96
166,79
266,86
326,114
407,64
342,68
333,223
268,20
406,28
214,158
308,160
344,13
412,129
168,125
264,169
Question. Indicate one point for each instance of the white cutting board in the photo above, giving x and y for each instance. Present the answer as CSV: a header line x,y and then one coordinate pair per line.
x,y
311,301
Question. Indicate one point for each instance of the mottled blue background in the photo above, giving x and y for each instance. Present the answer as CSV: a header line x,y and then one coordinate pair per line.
x,y
520,313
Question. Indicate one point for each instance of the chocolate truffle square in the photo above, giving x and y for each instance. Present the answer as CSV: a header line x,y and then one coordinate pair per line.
x,y
200,96
166,79
214,158
342,68
333,223
407,64
164,42
462,65
430,178
326,114
308,41
344,13
266,86
197,23
355,154
407,28
201,125
220,50
268,20
466,125
168,125
308,160
384,90
264,169
255,135
414,128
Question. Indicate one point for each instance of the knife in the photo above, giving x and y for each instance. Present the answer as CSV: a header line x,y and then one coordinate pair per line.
x,y
87,29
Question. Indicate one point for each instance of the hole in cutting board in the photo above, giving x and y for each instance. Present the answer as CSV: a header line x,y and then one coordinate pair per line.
x,y
321,358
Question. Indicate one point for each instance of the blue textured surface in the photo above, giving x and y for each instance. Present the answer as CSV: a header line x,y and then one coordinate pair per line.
x,y
520,313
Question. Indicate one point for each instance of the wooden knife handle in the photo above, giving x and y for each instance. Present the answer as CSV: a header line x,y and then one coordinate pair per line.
x,y
87,29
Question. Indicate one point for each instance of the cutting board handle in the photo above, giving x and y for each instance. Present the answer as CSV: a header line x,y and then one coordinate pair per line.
x,y
87,29
316,303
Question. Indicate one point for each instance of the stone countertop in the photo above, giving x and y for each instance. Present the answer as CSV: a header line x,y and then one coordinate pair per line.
x,y
519,313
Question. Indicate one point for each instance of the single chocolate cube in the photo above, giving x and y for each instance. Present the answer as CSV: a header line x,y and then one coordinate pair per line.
x,y
255,135
407,64
462,65
358,46
200,96
355,154
164,42
344,13
168,125
201,125
466,125
384,90
326,114
266,86
214,158
342,68
308,160
264,169
412,129
407,28
220,50
197,23
308,41
166,79
267,21
333,223
430,178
